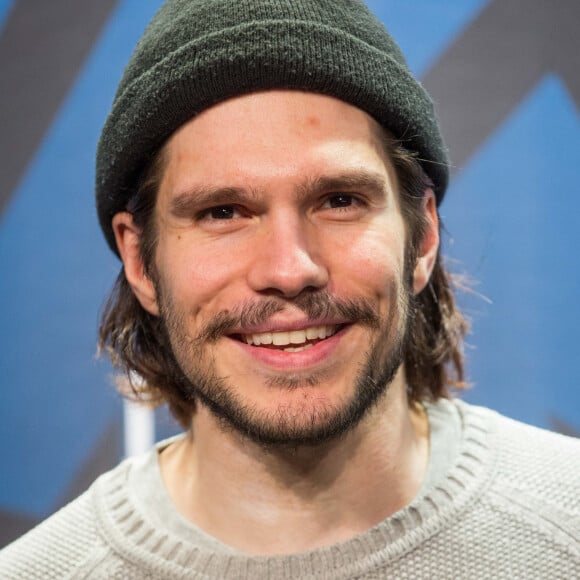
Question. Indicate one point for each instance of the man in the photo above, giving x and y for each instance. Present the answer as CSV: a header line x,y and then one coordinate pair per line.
x,y
269,175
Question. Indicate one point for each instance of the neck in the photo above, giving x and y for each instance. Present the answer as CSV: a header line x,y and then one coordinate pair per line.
x,y
275,501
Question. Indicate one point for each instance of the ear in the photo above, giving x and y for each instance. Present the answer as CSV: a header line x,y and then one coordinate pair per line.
x,y
127,235
429,245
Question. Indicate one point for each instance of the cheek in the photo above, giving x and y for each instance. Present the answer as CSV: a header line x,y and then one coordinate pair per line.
x,y
373,258
196,275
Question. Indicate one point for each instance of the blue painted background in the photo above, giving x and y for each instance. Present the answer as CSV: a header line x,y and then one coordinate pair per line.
x,y
512,215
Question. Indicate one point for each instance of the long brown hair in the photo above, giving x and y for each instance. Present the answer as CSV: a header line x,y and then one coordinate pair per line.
x,y
137,343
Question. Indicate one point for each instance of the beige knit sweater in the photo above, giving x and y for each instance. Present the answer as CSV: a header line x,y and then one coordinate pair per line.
x,y
502,501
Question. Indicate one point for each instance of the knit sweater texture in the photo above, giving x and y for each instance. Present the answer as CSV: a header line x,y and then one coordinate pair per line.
x,y
501,500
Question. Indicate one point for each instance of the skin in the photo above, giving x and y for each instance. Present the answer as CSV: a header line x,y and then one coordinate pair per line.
x,y
262,200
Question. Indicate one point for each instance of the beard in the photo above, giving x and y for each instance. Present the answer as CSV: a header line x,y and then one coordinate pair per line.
x,y
296,425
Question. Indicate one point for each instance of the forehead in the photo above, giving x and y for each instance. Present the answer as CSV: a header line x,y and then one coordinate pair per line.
x,y
274,141
290,105
274,117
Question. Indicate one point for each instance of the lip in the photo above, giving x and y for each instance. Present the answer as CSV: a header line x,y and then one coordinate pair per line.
x,y
294,361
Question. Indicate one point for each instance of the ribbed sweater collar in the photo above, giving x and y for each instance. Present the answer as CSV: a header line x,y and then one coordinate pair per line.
x,y
140,539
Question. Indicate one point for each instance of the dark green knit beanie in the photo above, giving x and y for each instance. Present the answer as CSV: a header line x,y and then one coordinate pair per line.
x,y
196,53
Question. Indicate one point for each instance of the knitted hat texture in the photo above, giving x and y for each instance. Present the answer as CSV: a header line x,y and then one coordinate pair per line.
x,y
196,53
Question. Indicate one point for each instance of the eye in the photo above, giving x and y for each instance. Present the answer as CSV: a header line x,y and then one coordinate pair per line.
x,y
340,200
343,201
220,212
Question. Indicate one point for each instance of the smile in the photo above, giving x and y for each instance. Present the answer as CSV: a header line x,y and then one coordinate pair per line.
x,y
291,341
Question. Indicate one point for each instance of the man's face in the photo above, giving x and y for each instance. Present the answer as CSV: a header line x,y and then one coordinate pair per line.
x,y
279,267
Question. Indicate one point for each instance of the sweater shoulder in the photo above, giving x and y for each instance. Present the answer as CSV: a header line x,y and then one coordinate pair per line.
x,y
539,461
67,544
536,473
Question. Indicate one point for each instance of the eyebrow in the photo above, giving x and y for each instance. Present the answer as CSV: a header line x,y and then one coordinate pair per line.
x,y
359,179
186,203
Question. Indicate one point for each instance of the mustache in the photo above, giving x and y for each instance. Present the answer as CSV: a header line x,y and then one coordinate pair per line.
x,y
314,305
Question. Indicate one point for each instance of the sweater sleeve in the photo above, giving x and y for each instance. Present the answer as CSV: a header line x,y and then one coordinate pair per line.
x,y
59,547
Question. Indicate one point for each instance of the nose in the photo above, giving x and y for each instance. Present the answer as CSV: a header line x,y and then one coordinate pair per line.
x,y
287,260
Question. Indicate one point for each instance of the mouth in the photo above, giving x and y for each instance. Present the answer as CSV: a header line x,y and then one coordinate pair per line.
x,y
292,340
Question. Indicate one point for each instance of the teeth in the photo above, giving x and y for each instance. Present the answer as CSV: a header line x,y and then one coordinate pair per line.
x,y
280,338
292,337
297,336
297,348
265,338
312,333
